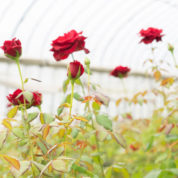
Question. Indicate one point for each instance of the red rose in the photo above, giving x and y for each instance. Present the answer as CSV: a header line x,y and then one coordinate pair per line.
x,y
120,71
17,98
37,99
151,34
75,69
12,49
63,46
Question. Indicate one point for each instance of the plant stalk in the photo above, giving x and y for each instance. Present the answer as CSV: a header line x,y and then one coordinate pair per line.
x,y
24,117
71,98
96,139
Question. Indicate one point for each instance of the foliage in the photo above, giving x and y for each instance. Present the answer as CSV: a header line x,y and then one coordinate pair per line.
x,y
39,144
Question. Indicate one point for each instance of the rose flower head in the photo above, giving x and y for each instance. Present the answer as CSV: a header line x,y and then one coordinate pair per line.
x,y
65,45
18,98
12,48
150,35
75,70
120,72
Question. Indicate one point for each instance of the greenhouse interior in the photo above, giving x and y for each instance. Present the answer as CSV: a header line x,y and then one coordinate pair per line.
x,y
89,89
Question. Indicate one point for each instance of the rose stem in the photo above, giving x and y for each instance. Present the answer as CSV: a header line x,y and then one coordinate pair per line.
x,y
73,57
124,88
26,115
71,98
96,139
174,58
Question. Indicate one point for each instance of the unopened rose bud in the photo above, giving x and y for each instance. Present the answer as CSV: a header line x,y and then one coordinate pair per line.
x,y
87,61
170,47
75,70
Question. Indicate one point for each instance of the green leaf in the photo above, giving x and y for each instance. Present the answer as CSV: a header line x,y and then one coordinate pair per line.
x,y
173,170
96,106
24,167
108,173
104,121
161,157
150,144
26,80
78,82
12,113
28,96
82,170
74,132
171,138
60,110
166,174
18,132
32,116
153,174
120,171
59,165
40,167
78,97
65,85
48,118
42,147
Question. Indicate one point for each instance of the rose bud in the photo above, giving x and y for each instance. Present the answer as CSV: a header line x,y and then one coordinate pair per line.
x,y
65,45
170,48
12,49
17,98
150,35
75,70
120,72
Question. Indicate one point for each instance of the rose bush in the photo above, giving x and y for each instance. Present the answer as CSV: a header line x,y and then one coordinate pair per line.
x,y
91,144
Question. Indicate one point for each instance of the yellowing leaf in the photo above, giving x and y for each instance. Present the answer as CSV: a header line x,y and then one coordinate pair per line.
x,y
46,131
87,99
12,113
118,102
157,75
42,118
66,105
80,118
167,81
7,124
9,119
58,117
61,132
14,162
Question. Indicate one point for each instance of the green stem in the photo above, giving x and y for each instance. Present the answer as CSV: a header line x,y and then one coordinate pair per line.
x,y
72,57
98,149
71,98
20,73
96,139
123,84
24,117
88,71
174,58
